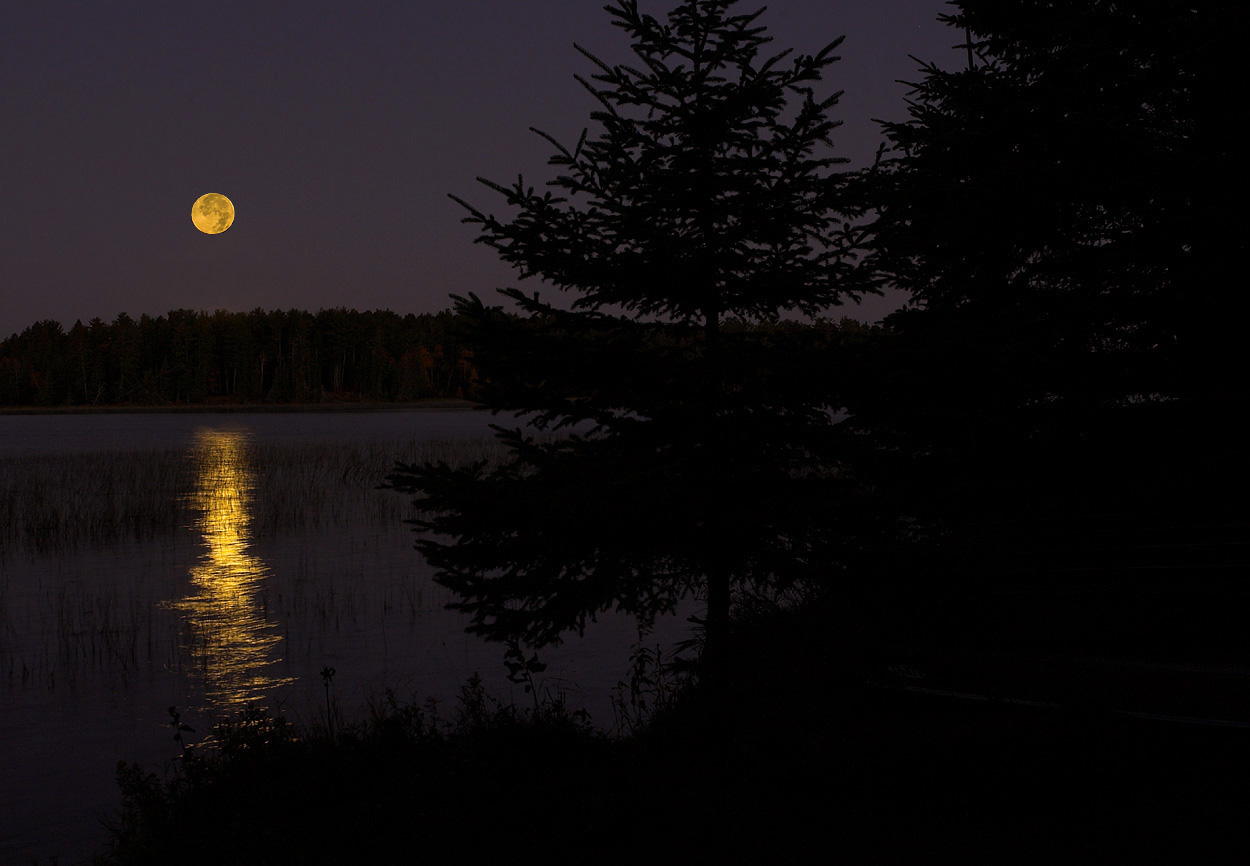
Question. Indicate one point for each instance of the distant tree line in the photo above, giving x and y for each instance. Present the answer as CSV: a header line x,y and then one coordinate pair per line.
x,y
275,356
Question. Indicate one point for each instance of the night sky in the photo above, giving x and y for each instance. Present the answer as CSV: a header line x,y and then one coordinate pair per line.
x,y
337,129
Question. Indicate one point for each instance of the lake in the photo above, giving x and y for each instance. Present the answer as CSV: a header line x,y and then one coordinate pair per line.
x,y
212,562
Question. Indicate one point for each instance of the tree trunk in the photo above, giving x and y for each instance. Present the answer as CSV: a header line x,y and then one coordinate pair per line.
x,y
716,625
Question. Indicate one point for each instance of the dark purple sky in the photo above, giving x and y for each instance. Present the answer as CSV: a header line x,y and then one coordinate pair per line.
x,y
337,129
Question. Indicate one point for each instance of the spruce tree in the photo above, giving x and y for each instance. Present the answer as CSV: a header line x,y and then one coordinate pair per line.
x,y
709,198
1063,206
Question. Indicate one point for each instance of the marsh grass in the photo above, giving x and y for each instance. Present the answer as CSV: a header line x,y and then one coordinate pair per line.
x,y
64,613
51,503
265,789
54,502
301,487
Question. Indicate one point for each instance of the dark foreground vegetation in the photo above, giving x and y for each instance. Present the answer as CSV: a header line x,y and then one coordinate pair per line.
x,y
820,759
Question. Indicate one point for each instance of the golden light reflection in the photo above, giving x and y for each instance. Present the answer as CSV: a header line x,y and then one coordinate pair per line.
x,y
227,637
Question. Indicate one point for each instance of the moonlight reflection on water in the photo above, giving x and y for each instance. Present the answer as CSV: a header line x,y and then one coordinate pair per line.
x,y
227,632
218,563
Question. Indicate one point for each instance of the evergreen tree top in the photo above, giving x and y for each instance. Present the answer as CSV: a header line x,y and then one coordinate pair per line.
x,y
710,188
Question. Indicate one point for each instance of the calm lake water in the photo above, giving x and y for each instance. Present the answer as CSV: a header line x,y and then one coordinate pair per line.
x,y
213,562
51,434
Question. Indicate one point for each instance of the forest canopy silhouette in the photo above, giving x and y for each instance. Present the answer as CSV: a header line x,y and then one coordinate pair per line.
x,y
190,357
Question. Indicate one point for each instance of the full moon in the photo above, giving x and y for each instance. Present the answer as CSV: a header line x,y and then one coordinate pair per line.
x,y
212,213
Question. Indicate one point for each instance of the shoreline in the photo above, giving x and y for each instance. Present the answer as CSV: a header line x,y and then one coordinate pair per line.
x,y
432,404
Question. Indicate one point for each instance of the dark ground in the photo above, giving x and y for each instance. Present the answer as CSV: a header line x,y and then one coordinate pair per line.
x,y
841,754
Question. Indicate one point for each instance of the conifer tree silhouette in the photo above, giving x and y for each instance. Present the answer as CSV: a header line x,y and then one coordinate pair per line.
x,y
1064,210
709,197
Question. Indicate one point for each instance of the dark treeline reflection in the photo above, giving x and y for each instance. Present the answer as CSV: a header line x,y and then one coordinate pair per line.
x,y
272,356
